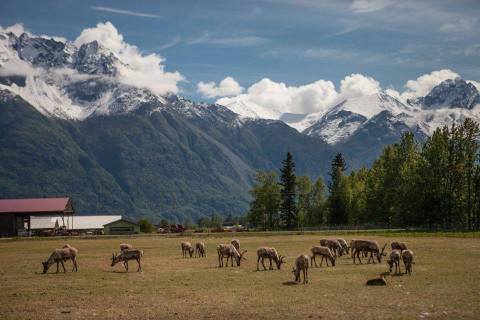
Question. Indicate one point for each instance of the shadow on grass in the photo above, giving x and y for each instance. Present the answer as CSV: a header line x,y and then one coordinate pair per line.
x,y
290,283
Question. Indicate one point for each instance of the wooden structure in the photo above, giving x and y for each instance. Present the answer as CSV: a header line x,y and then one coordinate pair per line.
x,y
121,226
15,214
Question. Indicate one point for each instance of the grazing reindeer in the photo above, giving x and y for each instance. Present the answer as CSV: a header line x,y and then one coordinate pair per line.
x,y
236,243
399,246
125,256
333,245
230,252
186,249
60,256
324,252
200,249
125,246
353,247
370,247
344,245
301,264
270,254
407,257
394,261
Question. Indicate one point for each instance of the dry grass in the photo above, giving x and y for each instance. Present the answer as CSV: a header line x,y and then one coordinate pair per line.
x,y
445,282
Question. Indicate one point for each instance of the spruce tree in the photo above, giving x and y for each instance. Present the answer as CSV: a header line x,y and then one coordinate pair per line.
x,y
337,188
288,208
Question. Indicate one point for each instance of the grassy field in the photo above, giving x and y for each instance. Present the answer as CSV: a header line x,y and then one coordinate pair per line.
x,y
445,282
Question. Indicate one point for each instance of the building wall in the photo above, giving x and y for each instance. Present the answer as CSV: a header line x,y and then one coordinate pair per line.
x,y
121,227
8,225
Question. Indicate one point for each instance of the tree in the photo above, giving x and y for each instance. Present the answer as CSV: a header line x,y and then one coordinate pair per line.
x,y
266,201
304,199
288,209
317,215
146,226
203,222
337,201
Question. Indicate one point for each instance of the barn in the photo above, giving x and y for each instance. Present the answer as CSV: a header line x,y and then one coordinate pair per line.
x,y
15,214
121,226
80,225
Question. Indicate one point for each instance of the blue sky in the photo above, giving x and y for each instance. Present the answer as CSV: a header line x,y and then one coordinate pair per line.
x,y
295,42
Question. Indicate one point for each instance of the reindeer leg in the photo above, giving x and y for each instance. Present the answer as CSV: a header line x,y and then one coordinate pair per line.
x,y
270,259
258,263
57,265
63,266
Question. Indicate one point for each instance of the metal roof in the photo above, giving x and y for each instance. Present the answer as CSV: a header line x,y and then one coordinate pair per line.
x,y
121,219
72,223
33,205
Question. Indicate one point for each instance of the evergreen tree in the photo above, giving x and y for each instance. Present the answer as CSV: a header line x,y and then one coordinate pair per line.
x,y
337,189
304,199
318,212
288,208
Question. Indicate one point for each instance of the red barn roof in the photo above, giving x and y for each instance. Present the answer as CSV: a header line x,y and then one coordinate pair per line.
x,y
34,205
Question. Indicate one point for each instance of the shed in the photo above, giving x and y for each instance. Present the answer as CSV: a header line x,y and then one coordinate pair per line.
x,y
121,226
15,214
80,224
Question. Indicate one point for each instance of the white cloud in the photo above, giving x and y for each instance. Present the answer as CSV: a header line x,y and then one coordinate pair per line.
x,y
272,98
140,70
231,41
17,29
423,84
364,6
126,12
227,87
460,25
357,85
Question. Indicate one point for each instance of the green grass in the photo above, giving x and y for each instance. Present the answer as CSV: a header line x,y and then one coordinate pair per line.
x,y
445,281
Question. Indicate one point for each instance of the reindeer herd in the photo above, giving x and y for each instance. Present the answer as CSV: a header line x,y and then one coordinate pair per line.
x,y
328,250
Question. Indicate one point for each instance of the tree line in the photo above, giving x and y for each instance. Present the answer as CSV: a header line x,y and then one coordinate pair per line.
x,y
434,184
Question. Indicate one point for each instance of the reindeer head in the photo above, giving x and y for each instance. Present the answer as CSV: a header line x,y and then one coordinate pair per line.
x,y
280,261
296,274
241,257
332,260
381,254
45,266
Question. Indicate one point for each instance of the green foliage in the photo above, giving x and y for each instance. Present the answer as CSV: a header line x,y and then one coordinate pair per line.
x,y
288,207
264,209
146,226
164,224
337,200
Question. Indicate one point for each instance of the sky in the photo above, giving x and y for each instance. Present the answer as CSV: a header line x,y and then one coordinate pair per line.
x,y
216,49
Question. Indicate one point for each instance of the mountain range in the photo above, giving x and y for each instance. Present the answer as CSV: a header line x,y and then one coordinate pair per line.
x,y
71,126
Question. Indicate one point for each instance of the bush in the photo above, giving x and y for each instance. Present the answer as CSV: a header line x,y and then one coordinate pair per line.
x,y
146,226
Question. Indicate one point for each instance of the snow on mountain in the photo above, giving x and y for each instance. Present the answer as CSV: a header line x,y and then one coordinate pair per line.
x,y
342,120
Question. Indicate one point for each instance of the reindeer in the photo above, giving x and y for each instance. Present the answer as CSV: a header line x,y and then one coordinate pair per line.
x,y
301,264
230,252
236,243
270,254
399,246
407,257
125,256
344,245
60,256
324,252
186,249
370,247
200,249
125,246
333,245
353,246
394,261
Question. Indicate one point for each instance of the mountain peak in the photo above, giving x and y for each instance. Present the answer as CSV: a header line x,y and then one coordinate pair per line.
x,y
451,93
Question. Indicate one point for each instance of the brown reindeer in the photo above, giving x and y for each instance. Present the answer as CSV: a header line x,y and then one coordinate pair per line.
x,y
200,249
399,246
301,264
333,245
187,248
344,245
230,252
125,246
270,254
323,252
394,261
370,247
407,257
125,256
60,256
